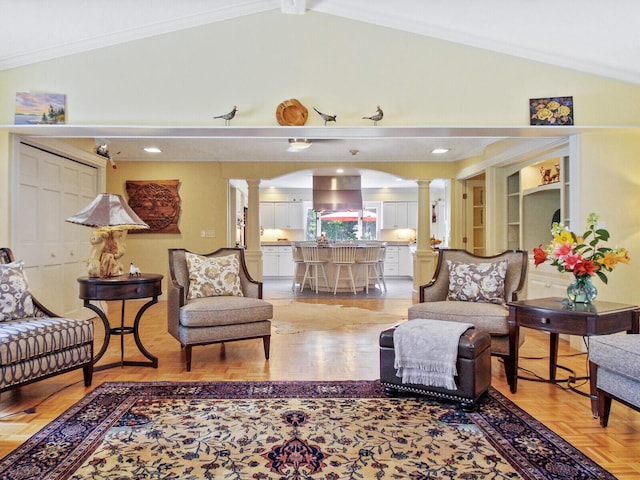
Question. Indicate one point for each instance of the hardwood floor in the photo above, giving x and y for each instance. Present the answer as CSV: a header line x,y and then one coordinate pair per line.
x,y
350,353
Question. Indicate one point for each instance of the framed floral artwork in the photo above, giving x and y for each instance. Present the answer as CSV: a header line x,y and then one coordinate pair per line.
x,y
551,111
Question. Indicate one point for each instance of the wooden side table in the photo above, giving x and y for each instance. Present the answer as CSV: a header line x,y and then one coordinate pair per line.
x,y
552,315
122,288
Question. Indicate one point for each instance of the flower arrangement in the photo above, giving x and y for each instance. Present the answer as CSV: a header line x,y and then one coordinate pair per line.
x,y
581,255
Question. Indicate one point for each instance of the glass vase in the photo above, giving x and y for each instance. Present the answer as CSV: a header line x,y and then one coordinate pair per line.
x,y
582,290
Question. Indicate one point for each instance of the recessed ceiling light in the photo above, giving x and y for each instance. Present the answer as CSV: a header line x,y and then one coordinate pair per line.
x,y
152,150
339,170
440,150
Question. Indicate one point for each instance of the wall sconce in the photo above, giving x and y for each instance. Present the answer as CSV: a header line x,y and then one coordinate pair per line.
x,y
111,216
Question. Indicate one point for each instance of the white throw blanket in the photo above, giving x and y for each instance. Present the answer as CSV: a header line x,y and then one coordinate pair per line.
x,y
426,351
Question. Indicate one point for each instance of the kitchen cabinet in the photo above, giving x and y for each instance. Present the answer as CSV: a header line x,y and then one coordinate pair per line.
x,y
391,261
289,215
283,215
267,215
399,215
405,261
277,261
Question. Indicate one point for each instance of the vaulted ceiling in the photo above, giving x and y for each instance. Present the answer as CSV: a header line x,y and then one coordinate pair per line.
x,y
585,35
588,35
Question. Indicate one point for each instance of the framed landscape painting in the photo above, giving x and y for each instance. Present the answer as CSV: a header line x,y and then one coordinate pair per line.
x,y
40,108
551,111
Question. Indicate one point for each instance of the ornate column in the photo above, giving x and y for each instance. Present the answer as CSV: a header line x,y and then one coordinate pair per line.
x,y
253,254
424,259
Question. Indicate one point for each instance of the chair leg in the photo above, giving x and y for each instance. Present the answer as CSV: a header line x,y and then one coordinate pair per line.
x,y
304,278
510,371
604,407
266,342
380,267
335,285
353,283
87,372
187,352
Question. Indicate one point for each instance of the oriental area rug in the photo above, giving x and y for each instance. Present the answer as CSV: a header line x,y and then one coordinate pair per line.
x,y
290,430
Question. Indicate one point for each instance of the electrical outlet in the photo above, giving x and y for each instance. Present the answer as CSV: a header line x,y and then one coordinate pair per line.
x,y
208,233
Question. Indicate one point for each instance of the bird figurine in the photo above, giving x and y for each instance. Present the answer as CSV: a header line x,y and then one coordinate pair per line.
x,y
325,117
227,117
377,116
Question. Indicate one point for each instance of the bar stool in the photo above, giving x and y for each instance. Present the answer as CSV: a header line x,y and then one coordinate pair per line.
x,y
369,261
382,256
313,264
298,265
343,255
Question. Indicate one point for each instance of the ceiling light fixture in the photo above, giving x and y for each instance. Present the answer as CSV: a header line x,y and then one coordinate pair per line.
x,y
152,150
440,150
297,144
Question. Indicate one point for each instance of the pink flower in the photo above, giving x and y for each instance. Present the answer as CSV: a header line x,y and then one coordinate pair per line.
x,y
562,250
571,260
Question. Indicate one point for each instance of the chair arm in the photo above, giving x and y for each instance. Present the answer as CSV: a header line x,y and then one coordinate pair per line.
x,y
175,300
434,291
252,288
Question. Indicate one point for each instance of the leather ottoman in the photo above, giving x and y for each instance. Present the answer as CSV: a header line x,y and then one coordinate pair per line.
x,y
473,366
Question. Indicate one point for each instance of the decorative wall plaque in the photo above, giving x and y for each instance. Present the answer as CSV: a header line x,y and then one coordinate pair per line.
x,y
157,202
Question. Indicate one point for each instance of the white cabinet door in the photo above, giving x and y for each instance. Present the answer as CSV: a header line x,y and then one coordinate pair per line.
x,y
412,215
405,261
270,261
296,216
285,262
288,215
267,215
281,217
389,215
391,261
399,215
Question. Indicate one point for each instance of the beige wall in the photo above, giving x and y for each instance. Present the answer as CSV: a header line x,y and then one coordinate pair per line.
x,y
203,195
609,183
339,66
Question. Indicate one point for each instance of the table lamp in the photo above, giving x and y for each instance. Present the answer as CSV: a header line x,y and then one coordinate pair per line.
x,y
112,217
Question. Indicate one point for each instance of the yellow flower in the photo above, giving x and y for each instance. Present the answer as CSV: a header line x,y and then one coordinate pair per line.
x,y
553,105
544,113
564,111
622,255
609,260
563,236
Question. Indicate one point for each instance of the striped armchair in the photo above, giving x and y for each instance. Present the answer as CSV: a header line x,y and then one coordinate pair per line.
x,y
35,343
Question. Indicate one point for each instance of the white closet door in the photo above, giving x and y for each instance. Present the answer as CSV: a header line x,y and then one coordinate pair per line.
x,y
52,188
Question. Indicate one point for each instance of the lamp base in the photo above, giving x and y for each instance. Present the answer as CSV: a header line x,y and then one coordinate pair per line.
x,y
107,247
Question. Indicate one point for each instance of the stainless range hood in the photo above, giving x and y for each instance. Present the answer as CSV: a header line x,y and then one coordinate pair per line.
x,y
337,193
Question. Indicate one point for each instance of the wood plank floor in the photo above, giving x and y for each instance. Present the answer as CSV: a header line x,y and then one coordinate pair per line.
x,y
350,353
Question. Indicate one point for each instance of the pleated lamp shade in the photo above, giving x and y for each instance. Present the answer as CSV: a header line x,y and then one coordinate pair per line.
x,y
109,210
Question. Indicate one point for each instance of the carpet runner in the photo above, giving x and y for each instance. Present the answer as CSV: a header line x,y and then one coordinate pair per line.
x,y
290,430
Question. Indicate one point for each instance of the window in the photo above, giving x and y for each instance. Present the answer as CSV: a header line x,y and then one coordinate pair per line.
x,y
343,226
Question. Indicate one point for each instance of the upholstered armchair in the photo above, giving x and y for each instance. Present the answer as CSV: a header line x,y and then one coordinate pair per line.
x,y
453,295
614,362
213,299
35,343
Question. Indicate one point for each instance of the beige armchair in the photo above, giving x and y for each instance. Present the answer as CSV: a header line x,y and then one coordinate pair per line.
x,y
209,314
489,315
